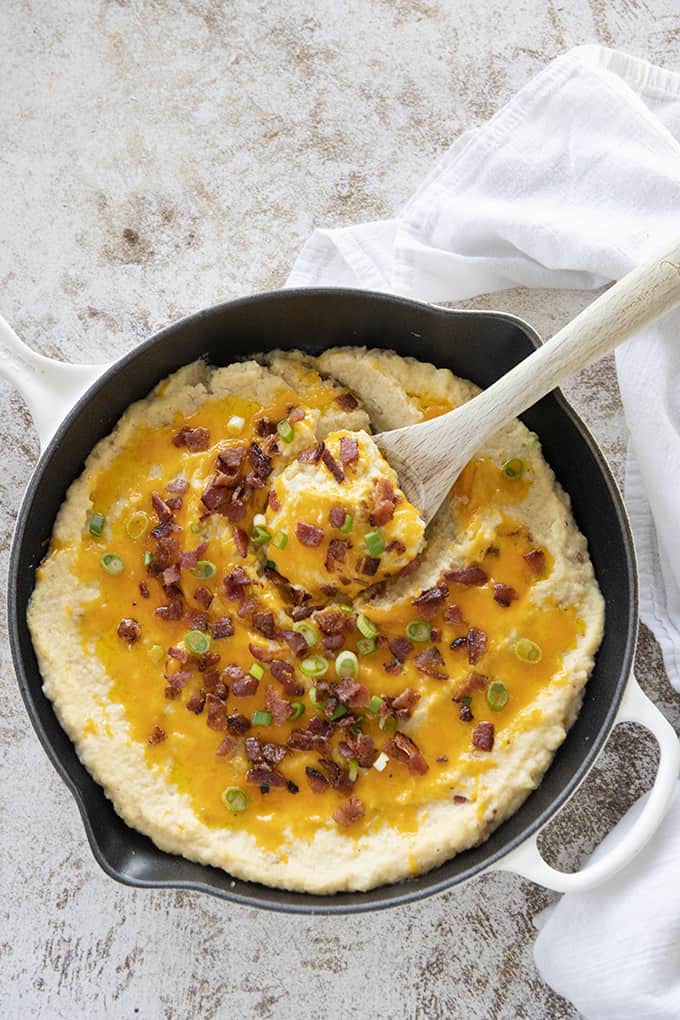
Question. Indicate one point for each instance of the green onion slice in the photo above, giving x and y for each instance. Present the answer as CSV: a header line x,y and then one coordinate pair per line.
x,y
156,653
367,628
530,440
298,710
136,524
346,525
235,799
353,769
314,666
256,670
375,704
338,713
259,535
374,543
204,569
286,431
280,539
388,724
513,468
112,564
95,525
347,664
419,630
147,558
366,645
196,527
308,631
197,642
497,695
312,697
527,650
261,718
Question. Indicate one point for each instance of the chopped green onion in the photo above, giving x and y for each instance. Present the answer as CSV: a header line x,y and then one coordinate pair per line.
x,y
298,710
236,424
346,525
197,642
530,440
513,468
147,558
374,543
156,653
353,769
388,723
527,650
497,695
256,670
286,431
261,718
270,565
338,713
366,645
357,726
419,630
344,607
380,762
259,535
112,564
96,525
313,697
136,524
375,704
308,631
196,527
204,569
280,539
466,699
235,799
347,664
367,628
314,666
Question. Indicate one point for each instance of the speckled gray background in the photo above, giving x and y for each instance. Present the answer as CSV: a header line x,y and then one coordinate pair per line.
x,y
157,157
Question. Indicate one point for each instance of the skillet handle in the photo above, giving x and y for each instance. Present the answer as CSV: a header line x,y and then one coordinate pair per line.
x,y
526,860
50,388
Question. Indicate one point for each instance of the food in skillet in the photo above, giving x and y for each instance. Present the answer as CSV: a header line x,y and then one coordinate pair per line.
x,y
268,663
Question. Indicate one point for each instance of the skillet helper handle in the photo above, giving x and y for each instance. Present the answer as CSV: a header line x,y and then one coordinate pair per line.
x,y
50,388
527,861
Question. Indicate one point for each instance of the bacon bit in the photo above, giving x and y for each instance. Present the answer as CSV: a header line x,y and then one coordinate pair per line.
x,y
230,461
167,553
350,811
228,746
175,503
458,643
246,608
188,560
173,611
347,402
161,508
207,660
157,735
330,621
236,582
164,530
317,781
407,751
180,654
337,551
285,674
170,576
458,798
274,753
243,685
336,516
483,736
213,682
351,693
331,463
195,440
337,777
264,622
238,724
408,568
295,642
129,630
265,775
144,589
301,612
314,738
430,600
308,534
312,455
214,496
179,485
172,692
431,662
332,642
404,703
368,565
203,596
196,704
469,576
253,749
261,463
296,414
349,450
263,654
536,560
265,427
222,627
503,594
476,642
396,547
359,746
277,705
394,667
233,511
400,648
240,541
217,713
472,682
196,619
453,614
465,713
178,680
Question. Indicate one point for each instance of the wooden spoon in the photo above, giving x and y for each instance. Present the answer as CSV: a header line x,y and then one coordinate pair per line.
x,y
428,457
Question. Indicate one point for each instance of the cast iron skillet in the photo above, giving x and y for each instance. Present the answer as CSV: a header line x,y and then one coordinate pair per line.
x,y
478,345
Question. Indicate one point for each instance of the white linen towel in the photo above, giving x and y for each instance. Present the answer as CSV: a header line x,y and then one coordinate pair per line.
x,y
574,181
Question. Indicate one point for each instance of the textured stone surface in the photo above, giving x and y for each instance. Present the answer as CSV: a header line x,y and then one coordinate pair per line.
x,y
161,156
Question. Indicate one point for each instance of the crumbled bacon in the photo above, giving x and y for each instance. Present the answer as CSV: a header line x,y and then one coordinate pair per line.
x,y
215,496
170,576
331,463
238,724
359,746
453,614
536,560
396,547
483,736
285,674
503,594
301,612
253,749
476,642
332,642
277,705
179,485
470,576
172,692
265,775
222,627
157,735
405,702
472,682
431,662
385,502
330,621
195,440
296,642
227,747
349,450
173,611
308,534
196,619
400,648
129,630
203,596
264,622
261,463
316,780
347,402
188,560
174,503
312,455
246,608
337,776
161,508
458,798
314,738
196,703
406,750
144,589
274,753
465,713
337,551
213,682
394,667
459,643
240,541
180,654
430,600
263,654
265,427
164,530
368,565
236,582
217,713
351,810
351,693
336,516
409,567
243,685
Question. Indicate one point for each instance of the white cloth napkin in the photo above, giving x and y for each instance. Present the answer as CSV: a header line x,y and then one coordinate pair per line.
x,y
569,185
